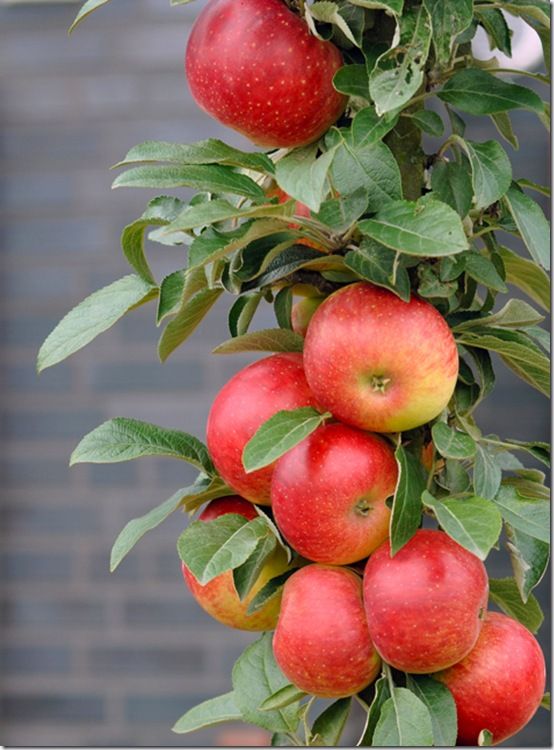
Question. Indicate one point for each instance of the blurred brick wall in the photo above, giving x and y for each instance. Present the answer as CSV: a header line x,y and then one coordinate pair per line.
x,y
89,658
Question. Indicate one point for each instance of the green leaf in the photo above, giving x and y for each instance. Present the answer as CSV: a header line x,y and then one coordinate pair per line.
x,y
479,93
538,449
138,527
393,7
406,507
160,212
212,244
382,694
404,722
452,443
268,340
288,259
214,211
498,31
210,151
212,178
530,185
487,378
456,478
356,18
122,439
505,594
93,316
283,697
424,228
485,738
328,12
503,124
198,493
210,712
246,575
209,549
280,434
268,591
449,18
369,128
528,515
330,724
441,706
545,703
303,175
352,80
282,306
256,677
428,121
529,558
341,213
541,336
486,473
491,169
242,312
451,183
171,293
517,350
539,10
379,265
515,314
483,270
86,9
362,161
399,72
531,224
475,523
186,321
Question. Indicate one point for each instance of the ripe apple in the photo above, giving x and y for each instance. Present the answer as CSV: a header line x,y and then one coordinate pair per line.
x,y
302,312
321,641
425,606
249,399
500,683
328,494
255,67
218,597
379,363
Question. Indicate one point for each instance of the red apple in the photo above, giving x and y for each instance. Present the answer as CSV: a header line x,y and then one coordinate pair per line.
x,y
500,683
218,597
328,494
379,363
425,606
255,67
302,312
321,641
248,400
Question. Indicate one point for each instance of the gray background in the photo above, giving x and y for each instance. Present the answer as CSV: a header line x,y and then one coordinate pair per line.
x,y
89,658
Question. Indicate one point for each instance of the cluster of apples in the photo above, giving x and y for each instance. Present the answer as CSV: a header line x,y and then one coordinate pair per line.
x,y
378,365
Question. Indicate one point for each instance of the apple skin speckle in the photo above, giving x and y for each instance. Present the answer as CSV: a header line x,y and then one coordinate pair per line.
x,y
239,49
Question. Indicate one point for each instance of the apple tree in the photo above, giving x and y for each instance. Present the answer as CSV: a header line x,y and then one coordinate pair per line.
x,y
350,497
